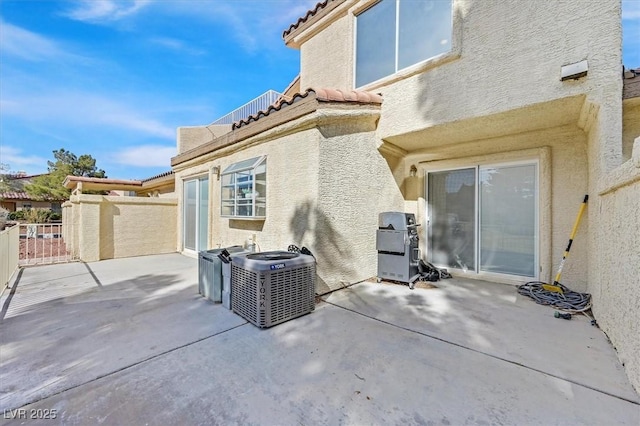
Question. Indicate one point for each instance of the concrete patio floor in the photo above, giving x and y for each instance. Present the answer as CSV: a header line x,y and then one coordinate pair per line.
x,y
130,341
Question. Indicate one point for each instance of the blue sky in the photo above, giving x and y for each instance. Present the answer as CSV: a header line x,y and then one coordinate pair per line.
x,y
115,78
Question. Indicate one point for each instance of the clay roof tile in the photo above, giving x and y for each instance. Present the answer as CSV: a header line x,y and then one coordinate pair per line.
x,y
321,94
310,13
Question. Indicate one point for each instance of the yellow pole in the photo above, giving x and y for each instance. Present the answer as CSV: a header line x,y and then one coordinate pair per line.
x,y
573,234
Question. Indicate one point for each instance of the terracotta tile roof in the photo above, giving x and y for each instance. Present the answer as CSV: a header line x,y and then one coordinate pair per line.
x,y
310,14
14,195
21,195
322,95
163,174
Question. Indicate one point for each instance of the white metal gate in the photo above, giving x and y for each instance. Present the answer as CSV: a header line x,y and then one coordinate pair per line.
x,y
42,243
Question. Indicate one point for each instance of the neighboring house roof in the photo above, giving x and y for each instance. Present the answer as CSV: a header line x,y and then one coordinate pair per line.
x,y
101,184
21,195
312,16
631,84
322,95
162,180
19,176
158,176
14,195
298,106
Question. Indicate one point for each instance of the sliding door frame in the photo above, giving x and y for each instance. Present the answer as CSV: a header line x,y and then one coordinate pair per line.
x,y
540,158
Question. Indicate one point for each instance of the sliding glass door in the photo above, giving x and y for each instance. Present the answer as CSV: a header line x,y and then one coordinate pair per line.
x,y
196,214
452,223
484,219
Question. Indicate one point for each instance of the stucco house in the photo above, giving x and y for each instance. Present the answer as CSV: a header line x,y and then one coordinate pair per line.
x,y
16,199
488,120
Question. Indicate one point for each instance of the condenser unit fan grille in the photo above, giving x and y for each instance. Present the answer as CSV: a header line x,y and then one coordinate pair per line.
x,y
243,294
292,293
268,292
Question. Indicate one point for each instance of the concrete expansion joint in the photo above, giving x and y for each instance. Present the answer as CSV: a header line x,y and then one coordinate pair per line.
x,y
151,358
499,358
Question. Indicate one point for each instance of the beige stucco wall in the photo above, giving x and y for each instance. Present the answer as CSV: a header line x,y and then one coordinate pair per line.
x,y
499,90
501,85
616,277
333,212
107,227
510,55
292,174
137,226
190,137
630,125
355,185
331,49
563,182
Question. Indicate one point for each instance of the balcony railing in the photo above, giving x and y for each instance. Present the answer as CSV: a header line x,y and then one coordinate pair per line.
x,y
260,103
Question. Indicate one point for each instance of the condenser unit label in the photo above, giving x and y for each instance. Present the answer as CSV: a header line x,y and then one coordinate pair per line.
x,y
263,298
276,266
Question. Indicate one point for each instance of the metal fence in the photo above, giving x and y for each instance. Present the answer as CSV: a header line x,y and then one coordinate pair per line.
x,y
42,243
261,103
8,253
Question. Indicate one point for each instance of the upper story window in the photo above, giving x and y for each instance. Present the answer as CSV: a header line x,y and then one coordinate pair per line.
x,y
395,34
244,189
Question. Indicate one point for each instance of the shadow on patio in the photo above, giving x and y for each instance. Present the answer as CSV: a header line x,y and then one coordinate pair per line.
x,y
130,340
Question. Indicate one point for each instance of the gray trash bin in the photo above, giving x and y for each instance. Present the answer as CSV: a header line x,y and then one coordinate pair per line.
x,y
210,272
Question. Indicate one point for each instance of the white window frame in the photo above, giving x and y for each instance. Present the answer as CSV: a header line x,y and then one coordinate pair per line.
x,y
477,165
255,197
197,179
406,71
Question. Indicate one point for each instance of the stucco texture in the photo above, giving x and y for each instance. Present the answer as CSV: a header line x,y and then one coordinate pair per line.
x,y
501,92
107,227
355,185
617,283
498,93
320,193
335,46
563,182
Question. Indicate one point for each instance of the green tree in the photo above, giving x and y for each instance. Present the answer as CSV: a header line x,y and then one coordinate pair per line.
x,y
49,186
4,178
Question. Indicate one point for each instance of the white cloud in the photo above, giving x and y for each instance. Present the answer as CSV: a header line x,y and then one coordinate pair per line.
x,y
16,41
104,10
178,45
17,160
146,156
250,23
82,110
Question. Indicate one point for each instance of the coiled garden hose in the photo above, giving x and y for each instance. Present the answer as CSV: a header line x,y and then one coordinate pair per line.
x,y
566,300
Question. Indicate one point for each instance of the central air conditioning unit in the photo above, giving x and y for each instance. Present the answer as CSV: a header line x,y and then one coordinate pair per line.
x,y
272,287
